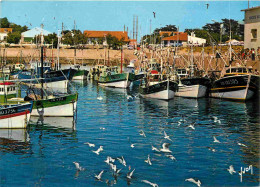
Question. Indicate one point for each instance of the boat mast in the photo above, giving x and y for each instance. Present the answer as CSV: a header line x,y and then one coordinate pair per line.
x,y
192,69
58,53
42,63
75,50
121,71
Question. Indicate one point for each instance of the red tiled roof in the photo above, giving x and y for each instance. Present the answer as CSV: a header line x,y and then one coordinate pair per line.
x,y
5,30
165,32
102,34
181,37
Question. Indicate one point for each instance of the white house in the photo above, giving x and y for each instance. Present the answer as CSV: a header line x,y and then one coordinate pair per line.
x,y
192,39
4,32
28,36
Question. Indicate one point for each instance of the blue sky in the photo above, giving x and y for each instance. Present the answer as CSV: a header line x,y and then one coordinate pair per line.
x,y
113,15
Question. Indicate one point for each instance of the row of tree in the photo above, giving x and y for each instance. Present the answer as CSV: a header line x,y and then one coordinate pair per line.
x,y
212,32
15,35
73,38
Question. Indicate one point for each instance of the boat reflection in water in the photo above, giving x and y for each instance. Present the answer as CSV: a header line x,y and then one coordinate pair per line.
x,y
14,140
62,123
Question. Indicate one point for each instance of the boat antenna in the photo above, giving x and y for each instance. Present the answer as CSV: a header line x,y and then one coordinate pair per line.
x,y
42,61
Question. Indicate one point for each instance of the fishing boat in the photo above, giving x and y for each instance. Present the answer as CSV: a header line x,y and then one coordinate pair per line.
x,y
111,78
13,115
80,74
193,87
57,80
137,75
158,86
236,83
191,83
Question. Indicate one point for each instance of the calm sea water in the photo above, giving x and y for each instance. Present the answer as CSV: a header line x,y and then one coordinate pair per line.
x,y
43,155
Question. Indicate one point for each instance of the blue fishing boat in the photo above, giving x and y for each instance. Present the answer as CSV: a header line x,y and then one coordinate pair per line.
x,y
57,80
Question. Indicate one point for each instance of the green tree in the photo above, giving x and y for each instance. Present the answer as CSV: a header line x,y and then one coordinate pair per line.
x,y
14,37
4,23
51,37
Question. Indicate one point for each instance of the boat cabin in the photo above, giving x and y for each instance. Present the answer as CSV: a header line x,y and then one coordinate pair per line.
x,y
182,72
7,91
18,67
36,66
231,71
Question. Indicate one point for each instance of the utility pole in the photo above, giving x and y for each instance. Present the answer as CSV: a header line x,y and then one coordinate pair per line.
x,y
75,51
136,28
150,30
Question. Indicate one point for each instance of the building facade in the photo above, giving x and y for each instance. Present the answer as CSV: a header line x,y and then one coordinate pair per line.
x,y
252,28
4,32
95,37
29,35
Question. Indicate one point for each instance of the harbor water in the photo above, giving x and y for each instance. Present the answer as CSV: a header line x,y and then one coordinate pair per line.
x,y
43,154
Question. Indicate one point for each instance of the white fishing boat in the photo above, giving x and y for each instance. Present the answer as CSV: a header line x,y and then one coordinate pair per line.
x,y
13,115
236,83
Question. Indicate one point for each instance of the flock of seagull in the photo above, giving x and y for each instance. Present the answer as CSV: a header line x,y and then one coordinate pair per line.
x,y
111,162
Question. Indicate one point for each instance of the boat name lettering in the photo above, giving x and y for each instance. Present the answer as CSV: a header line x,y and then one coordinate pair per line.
x,y
229,82
58,99
186,82
8,111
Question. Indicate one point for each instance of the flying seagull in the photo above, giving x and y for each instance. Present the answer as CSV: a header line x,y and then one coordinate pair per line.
x,y
148,161
90,144
215,140
198,183
165,148
130,174
98,177
148,182
231,170
166,136
155,149
78,167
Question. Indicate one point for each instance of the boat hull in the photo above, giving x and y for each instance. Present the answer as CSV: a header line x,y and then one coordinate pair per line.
x,y
80,75
116,80
59,106
162,90
116,84
193,91
195,87
238,87
16,117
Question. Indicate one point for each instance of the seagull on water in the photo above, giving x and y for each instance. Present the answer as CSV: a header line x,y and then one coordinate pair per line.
x,y
191,126
148,161
99,98
132,145
241,144
215,118
152,184
98,177
78,167
198,183
166,136
171,157
215,140
130,174
90,144
113,167
212,149
122,161
231,170
107,160
141,132
155,149
99,150
165,148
